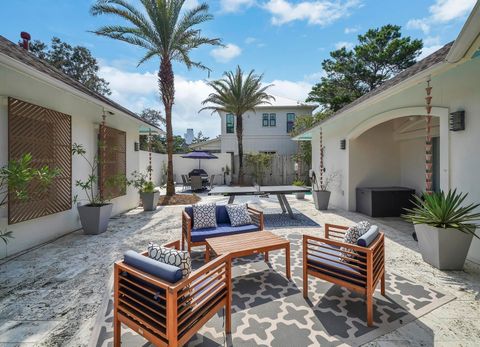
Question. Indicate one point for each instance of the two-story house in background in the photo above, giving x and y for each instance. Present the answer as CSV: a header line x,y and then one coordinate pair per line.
x,y
267,129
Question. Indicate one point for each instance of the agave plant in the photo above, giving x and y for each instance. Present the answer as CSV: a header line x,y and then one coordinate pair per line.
x,y
444,211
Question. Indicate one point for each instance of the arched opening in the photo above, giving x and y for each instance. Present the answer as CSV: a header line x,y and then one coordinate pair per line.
x,y
388,150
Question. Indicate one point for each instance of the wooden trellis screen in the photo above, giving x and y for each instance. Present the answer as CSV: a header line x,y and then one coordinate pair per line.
x,y
46,135
113,162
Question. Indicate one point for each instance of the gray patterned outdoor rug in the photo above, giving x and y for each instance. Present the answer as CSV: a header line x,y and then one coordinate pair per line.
x,y
275,219
268,310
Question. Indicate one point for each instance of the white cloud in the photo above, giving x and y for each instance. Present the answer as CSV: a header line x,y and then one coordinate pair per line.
x,y
419,24
341,44
442,11
315,77
136,91
351,30
426,51
250,40
227,53
447,10
320,12
230,6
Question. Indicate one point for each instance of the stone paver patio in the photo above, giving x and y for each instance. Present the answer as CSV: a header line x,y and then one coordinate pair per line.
x,y
50,296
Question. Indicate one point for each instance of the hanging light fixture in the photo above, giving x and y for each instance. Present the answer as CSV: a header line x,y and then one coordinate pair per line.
x,y
428,141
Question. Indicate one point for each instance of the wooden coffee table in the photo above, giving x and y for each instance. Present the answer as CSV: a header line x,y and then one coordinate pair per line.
x,y
245,244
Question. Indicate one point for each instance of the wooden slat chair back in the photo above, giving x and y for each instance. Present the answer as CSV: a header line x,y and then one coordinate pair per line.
x,y
359,269
169,314
187,226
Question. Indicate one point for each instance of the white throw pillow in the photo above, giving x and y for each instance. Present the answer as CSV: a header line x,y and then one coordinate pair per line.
x,y
352,235
204,216
238,215
171,256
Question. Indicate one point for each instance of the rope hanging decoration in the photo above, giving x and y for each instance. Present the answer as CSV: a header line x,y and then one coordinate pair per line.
x,y
322,168
149,169
428,141
103,139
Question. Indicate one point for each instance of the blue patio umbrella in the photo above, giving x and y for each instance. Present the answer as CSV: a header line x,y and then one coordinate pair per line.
x,y
199,155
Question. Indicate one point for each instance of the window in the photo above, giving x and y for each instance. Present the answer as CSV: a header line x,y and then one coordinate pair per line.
x,y
230,123
265,120
273,120
290,122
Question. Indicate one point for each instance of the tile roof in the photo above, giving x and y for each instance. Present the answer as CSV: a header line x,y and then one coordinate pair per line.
x,y
13,51
427,62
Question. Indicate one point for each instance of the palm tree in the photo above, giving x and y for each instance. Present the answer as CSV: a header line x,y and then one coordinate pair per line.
x,y
165,31
237,94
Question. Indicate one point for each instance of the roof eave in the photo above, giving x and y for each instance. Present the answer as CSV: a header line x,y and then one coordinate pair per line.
x,y
469,33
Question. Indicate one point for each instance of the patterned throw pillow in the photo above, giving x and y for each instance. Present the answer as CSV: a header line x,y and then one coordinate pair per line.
x,y
352,235
204,216
171,256
238,215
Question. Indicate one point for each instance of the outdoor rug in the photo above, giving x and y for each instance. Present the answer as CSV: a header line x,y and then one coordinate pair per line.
x,y
269,310
275,219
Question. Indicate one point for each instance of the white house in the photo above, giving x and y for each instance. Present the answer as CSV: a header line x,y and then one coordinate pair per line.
x,y
379,139
266,129
42,112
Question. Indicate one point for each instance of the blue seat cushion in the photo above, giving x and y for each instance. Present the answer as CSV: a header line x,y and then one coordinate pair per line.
x,y
199,235
366,239
333,266
163,271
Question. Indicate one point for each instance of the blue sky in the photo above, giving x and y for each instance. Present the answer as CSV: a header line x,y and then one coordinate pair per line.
x,y
284,39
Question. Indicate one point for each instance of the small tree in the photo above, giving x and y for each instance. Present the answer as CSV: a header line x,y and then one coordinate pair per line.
x,y
16,177
259,163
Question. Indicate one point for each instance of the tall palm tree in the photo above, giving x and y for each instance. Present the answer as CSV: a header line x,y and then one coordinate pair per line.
x,y
165,31
237,94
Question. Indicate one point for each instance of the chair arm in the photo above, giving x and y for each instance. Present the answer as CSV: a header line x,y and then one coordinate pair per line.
x,y
338,244
257,217
120,266
186,225
173,244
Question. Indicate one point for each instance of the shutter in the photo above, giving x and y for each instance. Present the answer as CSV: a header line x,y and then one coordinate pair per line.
x,y
113,162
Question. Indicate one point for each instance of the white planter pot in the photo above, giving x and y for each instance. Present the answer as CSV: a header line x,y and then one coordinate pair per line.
x,y
445,249
300,196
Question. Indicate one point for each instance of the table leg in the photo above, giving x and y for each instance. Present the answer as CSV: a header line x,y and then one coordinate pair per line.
x,y
280,201
231,198
287,206
287,261
207,254
265,257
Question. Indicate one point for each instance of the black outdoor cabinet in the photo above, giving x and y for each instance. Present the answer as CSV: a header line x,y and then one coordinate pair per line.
x,y
384,201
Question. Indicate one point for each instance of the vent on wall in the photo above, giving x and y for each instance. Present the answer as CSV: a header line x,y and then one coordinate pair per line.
x,y
456,121
343,144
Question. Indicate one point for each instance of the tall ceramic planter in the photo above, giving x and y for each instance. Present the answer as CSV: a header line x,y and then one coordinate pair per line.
x,y
445,249
150,200
321,198
95,219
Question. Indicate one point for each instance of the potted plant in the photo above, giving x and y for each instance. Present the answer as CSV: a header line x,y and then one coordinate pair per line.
x,y
445,228
15,179
95,215
299,195
147,191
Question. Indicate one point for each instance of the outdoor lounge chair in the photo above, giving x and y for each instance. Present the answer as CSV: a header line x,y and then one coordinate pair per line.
x,y
185,181
196,183
361,273
152,299
197,237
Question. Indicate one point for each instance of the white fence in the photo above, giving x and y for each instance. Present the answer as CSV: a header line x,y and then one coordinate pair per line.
x,y
182,166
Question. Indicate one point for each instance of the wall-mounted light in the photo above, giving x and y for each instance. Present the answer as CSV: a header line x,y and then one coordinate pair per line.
x,y
136,146
343,144
456,121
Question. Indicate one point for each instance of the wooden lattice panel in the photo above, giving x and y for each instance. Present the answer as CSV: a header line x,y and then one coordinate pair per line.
x,y
46,135
113,162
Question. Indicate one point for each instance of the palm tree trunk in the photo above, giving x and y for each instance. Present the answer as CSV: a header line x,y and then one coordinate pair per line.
x,y
166,81
240,148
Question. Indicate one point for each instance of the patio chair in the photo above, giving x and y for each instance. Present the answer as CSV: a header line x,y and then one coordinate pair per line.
x,y
167,313
196,183
185,181
359,269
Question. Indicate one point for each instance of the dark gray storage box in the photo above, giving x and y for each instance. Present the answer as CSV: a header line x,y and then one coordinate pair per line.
x,y
384,201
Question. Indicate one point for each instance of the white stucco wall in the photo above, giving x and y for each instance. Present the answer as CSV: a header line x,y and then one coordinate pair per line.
x,y
86,117
453,90
257,138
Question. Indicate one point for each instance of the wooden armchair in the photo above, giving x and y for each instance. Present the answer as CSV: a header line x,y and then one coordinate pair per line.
x,y
361,272
169,314
198,238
